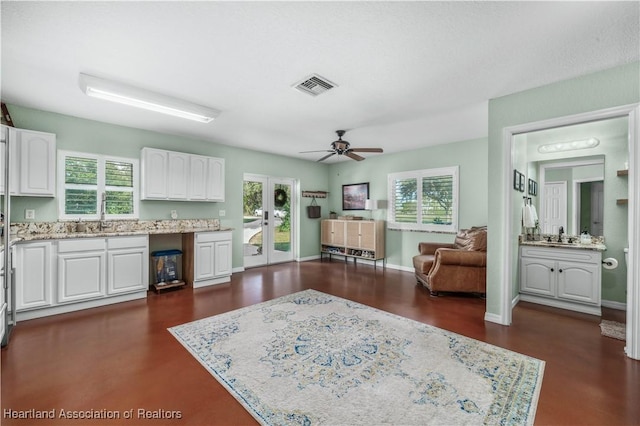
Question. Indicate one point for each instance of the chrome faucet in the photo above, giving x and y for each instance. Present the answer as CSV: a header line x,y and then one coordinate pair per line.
x,y
103,204
560,232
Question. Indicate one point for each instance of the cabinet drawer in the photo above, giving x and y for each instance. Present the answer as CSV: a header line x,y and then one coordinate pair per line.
x,y
81,244
126,242
207,237
570,254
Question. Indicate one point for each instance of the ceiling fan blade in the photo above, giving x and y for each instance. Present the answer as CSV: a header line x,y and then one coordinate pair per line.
x,y
320,150
326,156
367,149
354,156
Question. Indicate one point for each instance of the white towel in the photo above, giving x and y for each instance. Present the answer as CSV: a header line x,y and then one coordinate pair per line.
x,y
534,214
527,217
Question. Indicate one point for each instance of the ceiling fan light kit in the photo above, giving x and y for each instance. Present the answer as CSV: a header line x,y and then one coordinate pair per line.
x,y
341,147
99,88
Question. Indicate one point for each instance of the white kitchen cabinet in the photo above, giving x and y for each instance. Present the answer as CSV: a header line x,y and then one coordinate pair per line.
x,y
153,167
34,275
177,176
198,168
33,155
178,180
127,264
568,278
81,269
215,179
210,253
90,272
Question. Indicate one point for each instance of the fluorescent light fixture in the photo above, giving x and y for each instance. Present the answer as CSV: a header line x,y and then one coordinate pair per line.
x,y
140,98
568,146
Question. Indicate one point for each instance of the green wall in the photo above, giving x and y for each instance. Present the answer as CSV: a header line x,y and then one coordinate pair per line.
x,y
401,246
77,134
605,89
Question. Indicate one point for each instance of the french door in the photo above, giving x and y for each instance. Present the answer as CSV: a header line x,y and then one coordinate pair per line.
x,y
268,206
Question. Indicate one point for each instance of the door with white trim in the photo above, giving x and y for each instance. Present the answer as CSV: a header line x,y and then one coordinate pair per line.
x,y
268,207
554,214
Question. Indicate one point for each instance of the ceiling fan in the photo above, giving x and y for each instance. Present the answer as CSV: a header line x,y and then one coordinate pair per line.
x,y
341,147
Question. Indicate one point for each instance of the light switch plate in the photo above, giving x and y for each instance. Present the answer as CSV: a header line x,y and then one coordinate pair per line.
x,y
29,214
222,213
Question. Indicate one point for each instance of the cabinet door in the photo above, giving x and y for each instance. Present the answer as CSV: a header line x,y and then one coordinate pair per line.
x,y
34,275
368,235
579,282
326,229
222,258
333,232
178,176
198,177
37,172
537,276
353,234
154,174
215,179
128,270
81,276
203,264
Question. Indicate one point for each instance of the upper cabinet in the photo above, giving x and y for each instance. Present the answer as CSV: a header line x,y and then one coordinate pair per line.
x,y
33,161
177,176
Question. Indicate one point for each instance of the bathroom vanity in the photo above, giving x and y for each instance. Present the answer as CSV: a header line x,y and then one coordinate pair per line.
x,y
563,276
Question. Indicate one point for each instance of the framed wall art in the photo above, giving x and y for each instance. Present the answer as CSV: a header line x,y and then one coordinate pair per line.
x,y
354,196
533,187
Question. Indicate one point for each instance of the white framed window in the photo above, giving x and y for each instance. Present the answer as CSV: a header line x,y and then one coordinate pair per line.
x,y
91,184
424,200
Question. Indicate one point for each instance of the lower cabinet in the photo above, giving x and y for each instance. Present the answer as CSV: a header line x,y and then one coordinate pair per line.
x,y
128,264
34,275
90,272
81,269
208,257
568,278
359,239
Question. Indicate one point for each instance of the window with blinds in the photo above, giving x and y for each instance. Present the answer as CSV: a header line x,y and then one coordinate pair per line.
x,y
87,176
424,200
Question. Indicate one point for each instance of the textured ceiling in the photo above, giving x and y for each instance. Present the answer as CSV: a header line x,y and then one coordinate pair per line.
x,y
409,74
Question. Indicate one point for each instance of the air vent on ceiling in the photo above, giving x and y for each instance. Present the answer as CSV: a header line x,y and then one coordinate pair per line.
x,y
314,85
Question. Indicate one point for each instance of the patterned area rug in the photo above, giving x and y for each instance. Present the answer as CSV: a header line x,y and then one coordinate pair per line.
x,y
614,329
310,358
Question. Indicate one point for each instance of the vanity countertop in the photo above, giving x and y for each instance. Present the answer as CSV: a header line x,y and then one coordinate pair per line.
x,y
597,246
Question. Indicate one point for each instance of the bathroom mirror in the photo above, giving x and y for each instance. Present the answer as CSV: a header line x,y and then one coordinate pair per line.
x,y
576,170
572,196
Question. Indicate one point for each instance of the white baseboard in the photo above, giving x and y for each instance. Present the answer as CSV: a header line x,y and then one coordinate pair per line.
x,y
308,258
238,269
515,301
400,267
614,305
493,318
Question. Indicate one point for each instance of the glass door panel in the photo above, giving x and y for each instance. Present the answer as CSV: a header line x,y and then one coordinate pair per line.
x,y
281,251
268,208
254,224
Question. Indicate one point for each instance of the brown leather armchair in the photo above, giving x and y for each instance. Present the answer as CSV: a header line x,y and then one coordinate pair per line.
x,y
457,267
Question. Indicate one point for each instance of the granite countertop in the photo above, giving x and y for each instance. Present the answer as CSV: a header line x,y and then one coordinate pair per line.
x,y
597,244
34,231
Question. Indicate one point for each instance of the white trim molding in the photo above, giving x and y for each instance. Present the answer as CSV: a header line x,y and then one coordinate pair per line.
x,y
633,267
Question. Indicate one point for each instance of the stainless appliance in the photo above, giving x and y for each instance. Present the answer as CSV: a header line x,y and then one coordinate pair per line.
x,y
7,291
